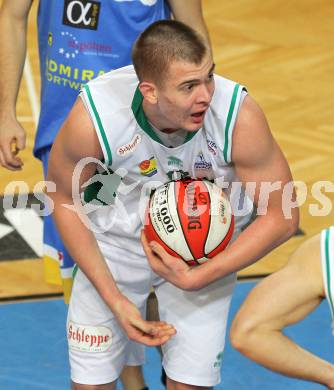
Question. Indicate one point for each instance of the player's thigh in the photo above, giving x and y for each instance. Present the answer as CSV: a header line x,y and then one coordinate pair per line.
x,y
279,300
194,354
98,347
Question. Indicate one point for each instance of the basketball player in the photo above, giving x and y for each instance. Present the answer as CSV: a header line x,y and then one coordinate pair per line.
x,y
169,113
282,299
78,40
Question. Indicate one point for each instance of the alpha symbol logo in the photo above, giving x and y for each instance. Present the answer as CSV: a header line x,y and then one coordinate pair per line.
x,y
81,14
84,10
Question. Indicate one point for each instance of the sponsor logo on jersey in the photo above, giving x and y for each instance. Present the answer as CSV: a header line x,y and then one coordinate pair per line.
x,y
69,46
81,14
130,147
202,167
212,147
64,70
174,162
148,167
88,338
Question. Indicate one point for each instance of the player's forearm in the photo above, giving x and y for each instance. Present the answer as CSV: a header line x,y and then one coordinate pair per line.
x,y
258,239
190,13
83,247
12,57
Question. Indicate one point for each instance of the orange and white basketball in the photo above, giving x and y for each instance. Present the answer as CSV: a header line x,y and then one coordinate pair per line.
x,y
191,219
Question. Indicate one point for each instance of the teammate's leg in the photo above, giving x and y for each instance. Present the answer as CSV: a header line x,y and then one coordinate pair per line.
x,y
282,299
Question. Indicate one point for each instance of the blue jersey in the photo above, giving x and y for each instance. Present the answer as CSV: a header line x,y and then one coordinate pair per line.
x,y
79,40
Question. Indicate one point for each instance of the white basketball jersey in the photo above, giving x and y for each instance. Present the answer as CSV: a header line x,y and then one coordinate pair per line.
x,y
132,149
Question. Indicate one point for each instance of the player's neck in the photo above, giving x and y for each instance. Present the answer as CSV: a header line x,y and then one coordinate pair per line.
x,y
155,119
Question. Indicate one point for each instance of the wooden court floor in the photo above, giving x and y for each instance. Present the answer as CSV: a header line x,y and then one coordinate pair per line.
x,y
283,53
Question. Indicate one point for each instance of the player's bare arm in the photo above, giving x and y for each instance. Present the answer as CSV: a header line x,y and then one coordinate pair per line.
x,y
13,30
190,13
77,139
257,158
282,299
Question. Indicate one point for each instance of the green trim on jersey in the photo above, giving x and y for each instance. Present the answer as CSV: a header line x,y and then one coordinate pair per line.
x,y
138,112
75,271
189,136
328,270
100,126
228,121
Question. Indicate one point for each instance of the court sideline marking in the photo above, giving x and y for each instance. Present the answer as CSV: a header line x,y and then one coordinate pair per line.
x,y
32,94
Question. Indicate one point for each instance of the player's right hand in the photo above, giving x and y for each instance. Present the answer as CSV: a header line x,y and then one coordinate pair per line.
x,y
12,140
151,333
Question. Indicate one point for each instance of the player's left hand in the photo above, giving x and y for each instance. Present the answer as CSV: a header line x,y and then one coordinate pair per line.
x,y
171,268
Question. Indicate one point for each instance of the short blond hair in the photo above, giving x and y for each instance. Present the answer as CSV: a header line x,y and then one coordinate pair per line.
x,y
162,43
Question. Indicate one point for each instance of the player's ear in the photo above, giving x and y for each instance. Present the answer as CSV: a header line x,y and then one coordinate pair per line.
x,y
149,91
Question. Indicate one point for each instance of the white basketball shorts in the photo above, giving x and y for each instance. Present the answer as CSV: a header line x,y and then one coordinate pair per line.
x,y
99,348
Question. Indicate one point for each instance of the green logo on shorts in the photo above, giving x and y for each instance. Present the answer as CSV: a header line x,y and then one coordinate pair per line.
x,y
218,361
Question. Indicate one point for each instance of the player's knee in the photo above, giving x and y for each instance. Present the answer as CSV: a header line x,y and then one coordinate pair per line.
x,y
244,333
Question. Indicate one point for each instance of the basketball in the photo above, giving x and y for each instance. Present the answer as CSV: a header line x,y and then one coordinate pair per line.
x,y
191,219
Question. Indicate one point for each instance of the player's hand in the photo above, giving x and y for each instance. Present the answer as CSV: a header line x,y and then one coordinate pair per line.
x,y
12,140
151,333
169,267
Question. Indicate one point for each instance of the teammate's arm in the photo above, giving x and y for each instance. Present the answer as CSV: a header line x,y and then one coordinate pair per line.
x,y
76,140
13,32
282,299
190,13
257,158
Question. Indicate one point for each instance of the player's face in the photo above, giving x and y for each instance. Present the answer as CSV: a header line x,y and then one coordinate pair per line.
x,y
186,94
